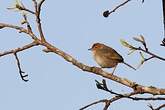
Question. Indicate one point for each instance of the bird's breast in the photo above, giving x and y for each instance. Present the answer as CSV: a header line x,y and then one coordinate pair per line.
x,y
104,62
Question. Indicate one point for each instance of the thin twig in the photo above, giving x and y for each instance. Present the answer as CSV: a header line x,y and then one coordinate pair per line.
x,y
35,4
110,101
25,9
163,4
107,13
21,7
38,20
94,103
136,98
146,59
19,68
18,49
150,53
28,24
39,6
20,29
117,96
103,86
122,4
158,108
15,51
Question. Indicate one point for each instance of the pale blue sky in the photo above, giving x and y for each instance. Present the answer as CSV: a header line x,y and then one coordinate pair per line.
x,y
73,26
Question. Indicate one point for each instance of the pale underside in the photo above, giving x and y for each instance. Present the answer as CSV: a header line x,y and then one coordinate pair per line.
x,y
104,61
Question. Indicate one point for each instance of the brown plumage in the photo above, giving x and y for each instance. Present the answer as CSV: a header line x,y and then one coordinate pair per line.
x,y
106,56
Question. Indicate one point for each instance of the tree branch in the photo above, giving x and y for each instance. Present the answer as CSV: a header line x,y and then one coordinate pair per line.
x,y
15,51
19,28
94,103
103,86
163,5
38,20
150,53
137,88
93,70
107,13
110,101
25,9
100,72
18,49
158,108
142,50
118,96
19,68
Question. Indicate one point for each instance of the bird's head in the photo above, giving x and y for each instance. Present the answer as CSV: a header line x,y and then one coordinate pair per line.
x,y
96,46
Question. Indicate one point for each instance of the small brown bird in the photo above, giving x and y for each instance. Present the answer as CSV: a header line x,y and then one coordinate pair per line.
x,y
106,56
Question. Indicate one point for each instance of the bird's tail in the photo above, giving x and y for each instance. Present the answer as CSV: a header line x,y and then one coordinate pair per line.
x,y
129,65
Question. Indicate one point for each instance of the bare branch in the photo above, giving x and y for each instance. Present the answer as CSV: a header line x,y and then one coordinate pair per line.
x,y
28,24
144,60
19,68
39,6
150,53
38,20
107,13
15,51
163,42
35,4
158,108
94,103
145,50
118,96
163,5
137,88
20,29
23,9
94,70
103,86
108,102
18,49
1,26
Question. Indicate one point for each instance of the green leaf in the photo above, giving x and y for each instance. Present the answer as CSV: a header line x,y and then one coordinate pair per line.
x,y
17,6
131,51
142,60
126,44
142,56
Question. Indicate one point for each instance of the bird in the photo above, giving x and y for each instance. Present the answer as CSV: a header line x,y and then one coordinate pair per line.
x,y
107,57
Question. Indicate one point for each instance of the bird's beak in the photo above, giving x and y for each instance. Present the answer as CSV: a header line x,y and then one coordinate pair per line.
x,y
90,49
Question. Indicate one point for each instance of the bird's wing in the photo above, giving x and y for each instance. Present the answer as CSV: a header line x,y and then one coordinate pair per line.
x,y
112,54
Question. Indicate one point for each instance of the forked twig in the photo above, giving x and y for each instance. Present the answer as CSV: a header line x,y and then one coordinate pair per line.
x,y
23,77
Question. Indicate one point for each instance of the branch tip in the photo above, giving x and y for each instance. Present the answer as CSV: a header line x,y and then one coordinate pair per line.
x,y
23,77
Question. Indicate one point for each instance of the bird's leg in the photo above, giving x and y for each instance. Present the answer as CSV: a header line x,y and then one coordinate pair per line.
x,y
114,69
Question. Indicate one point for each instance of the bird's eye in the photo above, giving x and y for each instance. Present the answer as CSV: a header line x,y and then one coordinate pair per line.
x,y
95,46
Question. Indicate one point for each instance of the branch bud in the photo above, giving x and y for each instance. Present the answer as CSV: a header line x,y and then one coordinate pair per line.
x,y
126,44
